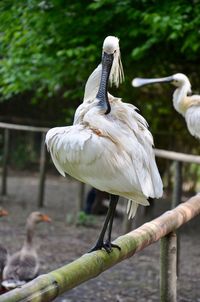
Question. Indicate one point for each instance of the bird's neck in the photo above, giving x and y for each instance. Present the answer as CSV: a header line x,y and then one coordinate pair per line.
x,y
30,227
92,85
179,96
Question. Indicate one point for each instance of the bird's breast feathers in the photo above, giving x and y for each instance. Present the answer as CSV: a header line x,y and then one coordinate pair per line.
x,y
188,102
106,152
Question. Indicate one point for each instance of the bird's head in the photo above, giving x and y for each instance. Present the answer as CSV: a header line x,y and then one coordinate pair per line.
x,y
178,80
36,217
3,212
112,49
111,71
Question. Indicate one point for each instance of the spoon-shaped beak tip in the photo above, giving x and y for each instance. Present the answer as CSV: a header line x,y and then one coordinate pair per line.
x,y
135,82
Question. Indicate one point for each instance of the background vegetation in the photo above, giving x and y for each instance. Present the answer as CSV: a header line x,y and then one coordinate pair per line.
x,y
49,48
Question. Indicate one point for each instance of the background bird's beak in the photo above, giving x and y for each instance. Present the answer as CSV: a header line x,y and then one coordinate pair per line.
x,y
137,82
45,218
3,212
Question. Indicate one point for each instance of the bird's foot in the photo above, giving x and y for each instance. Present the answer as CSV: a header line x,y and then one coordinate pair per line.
x,y
107,246
111,245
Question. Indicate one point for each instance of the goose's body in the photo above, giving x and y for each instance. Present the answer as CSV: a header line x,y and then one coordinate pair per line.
x,y
3,250
188,106
3,259
23,266
108,146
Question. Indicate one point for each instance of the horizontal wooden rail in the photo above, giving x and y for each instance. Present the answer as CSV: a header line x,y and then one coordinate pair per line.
x,y
158,152
49,286
187,158
23,127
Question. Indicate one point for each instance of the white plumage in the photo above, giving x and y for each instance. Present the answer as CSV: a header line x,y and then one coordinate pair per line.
x,y
111,152
187,106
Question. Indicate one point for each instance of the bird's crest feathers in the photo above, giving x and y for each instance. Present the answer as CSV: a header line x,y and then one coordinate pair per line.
x,y
111,45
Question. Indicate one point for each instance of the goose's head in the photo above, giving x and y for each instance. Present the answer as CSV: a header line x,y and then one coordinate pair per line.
x,y
3,212
36,217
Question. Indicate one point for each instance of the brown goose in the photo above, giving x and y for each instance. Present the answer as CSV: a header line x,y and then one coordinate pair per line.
x,y
3,251
23,266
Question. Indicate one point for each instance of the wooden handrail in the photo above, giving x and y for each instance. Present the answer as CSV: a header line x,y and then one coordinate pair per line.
x,y
23,127
183,157
158,152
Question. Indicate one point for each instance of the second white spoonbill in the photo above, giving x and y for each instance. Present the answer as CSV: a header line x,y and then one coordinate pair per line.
x,y
186,104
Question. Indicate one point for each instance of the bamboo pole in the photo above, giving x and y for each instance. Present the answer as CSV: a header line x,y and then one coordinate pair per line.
x,y
176,199
43,156
168,273
5,161
49,286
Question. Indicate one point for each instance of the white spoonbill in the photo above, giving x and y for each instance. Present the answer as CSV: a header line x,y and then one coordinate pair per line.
x,y
108,146
186,104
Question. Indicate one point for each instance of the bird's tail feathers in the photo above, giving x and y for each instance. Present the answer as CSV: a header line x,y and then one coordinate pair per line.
x,y
131,208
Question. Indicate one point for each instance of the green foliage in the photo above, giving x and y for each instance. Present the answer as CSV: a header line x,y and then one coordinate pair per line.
x,y
48,49
83,219
47,46
23,154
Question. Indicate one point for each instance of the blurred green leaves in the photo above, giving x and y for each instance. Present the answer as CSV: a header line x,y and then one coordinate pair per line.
x,y
49,48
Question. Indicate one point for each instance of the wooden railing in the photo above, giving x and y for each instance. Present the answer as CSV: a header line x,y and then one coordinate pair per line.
x,y
43,156
178,158
49,286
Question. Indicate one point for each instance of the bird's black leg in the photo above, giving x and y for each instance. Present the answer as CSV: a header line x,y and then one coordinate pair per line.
x,y
109,219
114,200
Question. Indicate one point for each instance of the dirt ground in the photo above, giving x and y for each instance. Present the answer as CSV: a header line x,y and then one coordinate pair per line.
x,y
59,243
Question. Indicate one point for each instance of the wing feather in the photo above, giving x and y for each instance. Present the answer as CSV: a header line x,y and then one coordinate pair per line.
x,y
113,152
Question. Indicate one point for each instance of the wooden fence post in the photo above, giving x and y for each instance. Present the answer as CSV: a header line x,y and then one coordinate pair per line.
x,y
177,190
176,200
43,157
5,161
168,274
